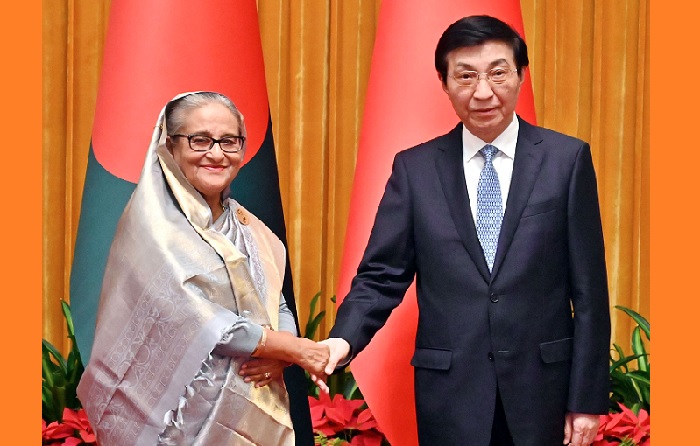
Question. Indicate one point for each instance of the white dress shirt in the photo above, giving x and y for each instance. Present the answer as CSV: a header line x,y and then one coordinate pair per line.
x,y
502,162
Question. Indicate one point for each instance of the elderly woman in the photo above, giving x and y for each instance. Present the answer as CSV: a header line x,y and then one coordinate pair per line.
x,y
193,332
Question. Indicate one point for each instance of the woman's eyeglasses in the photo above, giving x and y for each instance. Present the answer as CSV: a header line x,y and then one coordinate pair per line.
x,y
204,143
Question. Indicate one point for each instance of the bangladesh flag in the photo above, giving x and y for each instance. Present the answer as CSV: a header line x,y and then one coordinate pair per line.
x,y
153,51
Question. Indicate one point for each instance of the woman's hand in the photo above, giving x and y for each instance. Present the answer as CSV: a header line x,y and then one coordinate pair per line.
x,y
314,357
339,351
262,371
309,355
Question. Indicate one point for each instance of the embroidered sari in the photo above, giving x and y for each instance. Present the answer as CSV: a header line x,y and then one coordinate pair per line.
x,y
173,288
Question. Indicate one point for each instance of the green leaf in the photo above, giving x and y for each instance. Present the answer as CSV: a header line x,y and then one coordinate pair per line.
x,y
314,301
623,362
640,377
56,354
69,319
622,359
638,349
75,371
351,391
640,320
628,442
46,395
310,327
623,389
646,391
635,408
47,368
47,404
59,398
74,368
619,350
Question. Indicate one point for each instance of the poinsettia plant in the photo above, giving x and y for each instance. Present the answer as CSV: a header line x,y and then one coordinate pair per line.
x,y
627,424
631,385
624,428
74,429
60,376
341,417
337,421
64,421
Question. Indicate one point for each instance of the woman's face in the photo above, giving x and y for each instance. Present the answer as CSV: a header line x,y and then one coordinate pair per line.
x,y
212,171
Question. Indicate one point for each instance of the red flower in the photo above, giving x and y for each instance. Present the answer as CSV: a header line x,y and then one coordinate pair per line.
x,y
367,438
366,421
57,431
625,425
73,430
342,411
332,417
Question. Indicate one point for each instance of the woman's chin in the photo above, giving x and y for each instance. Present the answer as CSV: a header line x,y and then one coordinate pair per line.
x,y
211,192
212,188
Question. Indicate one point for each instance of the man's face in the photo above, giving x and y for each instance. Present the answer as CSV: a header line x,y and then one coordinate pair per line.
x,y
486,108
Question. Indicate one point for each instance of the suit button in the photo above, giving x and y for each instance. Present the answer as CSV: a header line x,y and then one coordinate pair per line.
x,y
490,356
494,297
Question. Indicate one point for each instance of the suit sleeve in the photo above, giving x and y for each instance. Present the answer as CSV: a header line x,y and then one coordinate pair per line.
x,y
589,382
387,267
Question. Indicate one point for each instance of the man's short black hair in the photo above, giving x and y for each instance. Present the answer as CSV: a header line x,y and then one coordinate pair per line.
x,y
477,30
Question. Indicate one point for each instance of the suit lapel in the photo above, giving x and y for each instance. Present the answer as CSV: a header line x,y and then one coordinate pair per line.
x,y
526,167
450,169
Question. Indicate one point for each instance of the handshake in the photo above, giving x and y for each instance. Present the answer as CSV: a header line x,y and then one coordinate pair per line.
x,y
336,350
277,350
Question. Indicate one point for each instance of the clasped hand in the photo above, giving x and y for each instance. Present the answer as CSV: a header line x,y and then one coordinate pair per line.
x,y
281,350
320,359
262,371
339,351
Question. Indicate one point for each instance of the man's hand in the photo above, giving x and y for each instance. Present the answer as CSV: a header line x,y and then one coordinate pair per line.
x,y
340,349
580,429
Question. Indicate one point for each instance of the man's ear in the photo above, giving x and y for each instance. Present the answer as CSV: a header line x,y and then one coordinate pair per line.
x,y
521,75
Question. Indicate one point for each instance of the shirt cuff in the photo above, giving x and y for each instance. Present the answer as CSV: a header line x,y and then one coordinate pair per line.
x,y
241,339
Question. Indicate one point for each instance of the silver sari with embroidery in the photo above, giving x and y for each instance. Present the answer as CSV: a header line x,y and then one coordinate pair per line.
x,y
172,288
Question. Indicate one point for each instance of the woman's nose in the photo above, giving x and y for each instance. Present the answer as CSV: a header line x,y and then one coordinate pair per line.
x,y
216,151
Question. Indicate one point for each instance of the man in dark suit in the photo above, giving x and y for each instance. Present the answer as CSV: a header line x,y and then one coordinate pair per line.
x,y
499,223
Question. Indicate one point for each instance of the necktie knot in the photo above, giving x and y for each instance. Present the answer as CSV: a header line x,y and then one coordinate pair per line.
x,y
489,151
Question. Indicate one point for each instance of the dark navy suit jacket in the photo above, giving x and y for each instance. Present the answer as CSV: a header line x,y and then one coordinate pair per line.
x,y
537,328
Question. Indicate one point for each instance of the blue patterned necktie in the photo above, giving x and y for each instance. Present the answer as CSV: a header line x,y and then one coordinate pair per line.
x,y
489,207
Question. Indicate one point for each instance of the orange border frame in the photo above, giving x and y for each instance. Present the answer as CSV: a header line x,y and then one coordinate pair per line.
x,y
20,237
674,243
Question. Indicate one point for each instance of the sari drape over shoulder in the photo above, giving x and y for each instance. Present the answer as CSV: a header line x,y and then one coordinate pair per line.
x,y
172,287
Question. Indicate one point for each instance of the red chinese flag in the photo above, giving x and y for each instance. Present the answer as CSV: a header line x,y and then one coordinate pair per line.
x,y
405,106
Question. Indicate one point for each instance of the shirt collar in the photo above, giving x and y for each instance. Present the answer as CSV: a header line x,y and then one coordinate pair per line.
x,y
505,142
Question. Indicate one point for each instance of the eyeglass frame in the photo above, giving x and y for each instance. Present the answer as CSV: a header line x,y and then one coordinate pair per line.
x,y
487,76
213,141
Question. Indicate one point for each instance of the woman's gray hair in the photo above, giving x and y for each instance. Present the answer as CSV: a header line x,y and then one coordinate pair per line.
x,y
176,111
